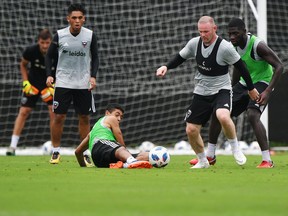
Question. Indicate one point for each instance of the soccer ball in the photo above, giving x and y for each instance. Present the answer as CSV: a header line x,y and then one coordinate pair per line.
x,y
159,157
146,146
47,148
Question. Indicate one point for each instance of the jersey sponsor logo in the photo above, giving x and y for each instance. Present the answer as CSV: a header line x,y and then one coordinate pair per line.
x,y
74,53
203,67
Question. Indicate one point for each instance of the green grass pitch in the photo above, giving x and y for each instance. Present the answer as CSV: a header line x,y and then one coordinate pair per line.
x,y
30,186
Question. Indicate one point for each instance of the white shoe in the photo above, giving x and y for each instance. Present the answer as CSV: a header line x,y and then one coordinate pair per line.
x,y
201,165
239,157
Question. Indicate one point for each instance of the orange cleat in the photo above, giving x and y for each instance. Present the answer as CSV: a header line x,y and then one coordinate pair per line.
x,y
266,164
211,160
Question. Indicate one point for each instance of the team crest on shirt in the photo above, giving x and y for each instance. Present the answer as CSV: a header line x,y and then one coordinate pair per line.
x,y
84,43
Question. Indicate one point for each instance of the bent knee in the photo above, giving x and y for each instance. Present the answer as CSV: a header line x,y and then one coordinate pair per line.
x,y
191,129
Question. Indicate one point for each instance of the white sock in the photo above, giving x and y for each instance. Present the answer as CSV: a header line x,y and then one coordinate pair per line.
x,y
266,155
14,141
87,152
56,149
211,150
130,159
234,144
202,157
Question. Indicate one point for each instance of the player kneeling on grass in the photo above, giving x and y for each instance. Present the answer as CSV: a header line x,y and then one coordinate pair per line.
x,y
106,143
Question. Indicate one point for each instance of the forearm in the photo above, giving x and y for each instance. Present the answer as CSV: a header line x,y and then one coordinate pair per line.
x,y
276,77
175,61
94,56
240,66
51,56
80,149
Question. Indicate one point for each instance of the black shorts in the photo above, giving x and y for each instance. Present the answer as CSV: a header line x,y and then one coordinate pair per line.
x,y
241,100
103,152
82,100
202,107
31,100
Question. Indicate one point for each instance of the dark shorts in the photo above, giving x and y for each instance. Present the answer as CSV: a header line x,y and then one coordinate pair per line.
x,y
82,100
241,100
31,100
202,107
103,152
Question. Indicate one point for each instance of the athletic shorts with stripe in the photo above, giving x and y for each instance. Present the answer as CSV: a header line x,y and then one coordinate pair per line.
x,y
202,107
103,152
241,100
82,99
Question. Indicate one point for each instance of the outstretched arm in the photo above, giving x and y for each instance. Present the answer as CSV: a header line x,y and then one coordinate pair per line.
x,y
173,63
80,149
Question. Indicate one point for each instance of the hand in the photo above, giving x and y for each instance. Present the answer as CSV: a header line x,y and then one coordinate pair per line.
x,y
29,89
26,87
254,94
92,83
264,97
161,71
50,81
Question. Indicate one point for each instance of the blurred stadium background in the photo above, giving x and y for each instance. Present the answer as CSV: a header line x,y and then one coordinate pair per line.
x,y
135,37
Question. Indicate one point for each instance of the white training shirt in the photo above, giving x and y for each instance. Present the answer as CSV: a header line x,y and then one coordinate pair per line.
x,y
226,55
74,61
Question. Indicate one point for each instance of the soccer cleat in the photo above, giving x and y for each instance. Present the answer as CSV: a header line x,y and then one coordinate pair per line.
x,y
239,158
117,165
138,165
55,158
10,151
88,161
211,160
201,165
266,164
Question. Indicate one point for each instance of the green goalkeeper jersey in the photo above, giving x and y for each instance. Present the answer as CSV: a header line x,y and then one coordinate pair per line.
x,y
99,131
259,70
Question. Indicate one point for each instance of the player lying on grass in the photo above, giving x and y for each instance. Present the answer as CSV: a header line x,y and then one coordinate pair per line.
x,y
106,143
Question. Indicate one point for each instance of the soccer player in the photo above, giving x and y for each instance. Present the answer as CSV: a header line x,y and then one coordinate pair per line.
x,y
212,92
34,85
106,143
74,48
260,60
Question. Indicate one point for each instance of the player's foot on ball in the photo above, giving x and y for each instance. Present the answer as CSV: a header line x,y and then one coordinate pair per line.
x,y
266,164
55,158
117,165
88,161
239,158
10,151
211,160
138,165
201,165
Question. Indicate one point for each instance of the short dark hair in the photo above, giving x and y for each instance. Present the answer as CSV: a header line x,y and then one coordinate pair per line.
x,y
237,22
44,34
112,106
76,7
